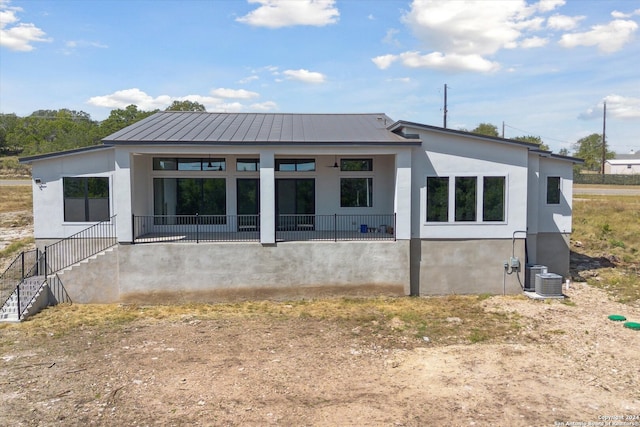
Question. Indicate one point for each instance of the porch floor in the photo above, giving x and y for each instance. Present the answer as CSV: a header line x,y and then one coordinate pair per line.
x,y
254,236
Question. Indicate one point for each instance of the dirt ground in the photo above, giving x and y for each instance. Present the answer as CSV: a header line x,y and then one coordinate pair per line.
x,y
568,364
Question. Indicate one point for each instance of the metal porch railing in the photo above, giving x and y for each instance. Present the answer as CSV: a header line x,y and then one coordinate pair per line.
x,y
246,228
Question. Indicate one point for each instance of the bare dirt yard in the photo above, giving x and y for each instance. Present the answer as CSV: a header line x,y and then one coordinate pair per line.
x,y
566,363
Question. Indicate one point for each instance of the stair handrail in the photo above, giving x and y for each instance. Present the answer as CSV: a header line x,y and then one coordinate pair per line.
x,y
23,266
81,245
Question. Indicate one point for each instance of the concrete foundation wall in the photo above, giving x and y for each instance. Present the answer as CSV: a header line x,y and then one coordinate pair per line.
x,y
178,273
93,281
465,266
231,271
552,250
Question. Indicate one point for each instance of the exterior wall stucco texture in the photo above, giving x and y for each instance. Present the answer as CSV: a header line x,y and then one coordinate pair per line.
x,y
553,251
207,273
230,271
468,266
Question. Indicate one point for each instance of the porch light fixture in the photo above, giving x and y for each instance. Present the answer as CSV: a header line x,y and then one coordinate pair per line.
x,y
335,163
209,165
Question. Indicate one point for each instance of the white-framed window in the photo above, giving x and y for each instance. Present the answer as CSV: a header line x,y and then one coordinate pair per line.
x,y
478,199
553,190
86,199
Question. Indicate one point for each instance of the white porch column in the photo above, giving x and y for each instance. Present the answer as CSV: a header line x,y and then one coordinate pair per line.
x,y
402,200
121,187
267,198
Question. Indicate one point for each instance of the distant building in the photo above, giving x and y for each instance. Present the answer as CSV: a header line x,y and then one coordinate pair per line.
x,y
623,164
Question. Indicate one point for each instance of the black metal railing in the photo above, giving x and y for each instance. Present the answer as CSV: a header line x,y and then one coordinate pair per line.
x,y
336,227
246,228
196,228
81,245
25,265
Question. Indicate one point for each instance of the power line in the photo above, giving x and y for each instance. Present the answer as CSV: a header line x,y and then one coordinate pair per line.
x,y
538,135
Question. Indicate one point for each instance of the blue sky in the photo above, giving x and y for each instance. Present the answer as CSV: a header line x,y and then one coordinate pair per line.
x,y
542,67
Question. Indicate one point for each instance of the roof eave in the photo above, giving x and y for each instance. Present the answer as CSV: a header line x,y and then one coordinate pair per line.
x,y
31,159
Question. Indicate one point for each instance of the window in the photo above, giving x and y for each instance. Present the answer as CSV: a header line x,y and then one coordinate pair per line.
x,y
86,199
295,165
248,165
190,196
359,165
189,164
466,189
493,198
356,192
553,190
438,199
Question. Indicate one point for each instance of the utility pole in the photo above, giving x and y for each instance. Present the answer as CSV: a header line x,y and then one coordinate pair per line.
x,y
445,105
503,129
604,136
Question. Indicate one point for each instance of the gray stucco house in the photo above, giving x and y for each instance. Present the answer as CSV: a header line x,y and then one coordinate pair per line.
x,y
215,206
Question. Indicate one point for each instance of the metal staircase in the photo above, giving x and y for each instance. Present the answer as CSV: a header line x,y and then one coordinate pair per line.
x,y
31,282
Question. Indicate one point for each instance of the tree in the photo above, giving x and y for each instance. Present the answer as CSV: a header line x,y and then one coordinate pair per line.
x,y
589,149
486,129
45,131
563,152
186,106
120,119
8,122
533,139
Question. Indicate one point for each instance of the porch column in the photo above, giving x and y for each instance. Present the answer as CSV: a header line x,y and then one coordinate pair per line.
x,y
402,201
121,187
267,198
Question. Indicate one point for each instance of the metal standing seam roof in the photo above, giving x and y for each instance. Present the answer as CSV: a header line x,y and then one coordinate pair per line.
x,y
255,128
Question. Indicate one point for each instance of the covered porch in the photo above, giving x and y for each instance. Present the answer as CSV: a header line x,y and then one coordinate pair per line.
x,y
213,194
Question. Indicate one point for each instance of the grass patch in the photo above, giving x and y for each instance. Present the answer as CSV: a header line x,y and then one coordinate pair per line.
x,y
14,198
10,167
444,320
16,247
609,226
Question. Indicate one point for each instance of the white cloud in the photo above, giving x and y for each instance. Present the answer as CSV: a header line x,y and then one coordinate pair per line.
x,y
123,98
248,79
72,45
549,5
305,76
439,61
621,15
287,13
449,62
620,107
532,42
468,28
234,93
134,96
384,61
563,22
264,106
390,37
461,35
18,36
608,38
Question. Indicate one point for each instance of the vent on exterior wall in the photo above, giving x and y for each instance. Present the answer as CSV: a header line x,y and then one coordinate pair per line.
x,y
530,275
549,285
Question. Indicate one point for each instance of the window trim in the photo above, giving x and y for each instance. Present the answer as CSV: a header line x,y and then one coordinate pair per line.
x,y
546,198
370,197
296,162
347,159
479,200
109,200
